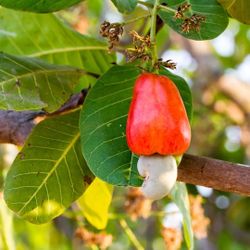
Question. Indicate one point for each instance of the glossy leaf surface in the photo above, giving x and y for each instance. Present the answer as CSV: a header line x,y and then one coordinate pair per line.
x,y
29,83
49,173
102,126
216,19
38,6
125,5
53,41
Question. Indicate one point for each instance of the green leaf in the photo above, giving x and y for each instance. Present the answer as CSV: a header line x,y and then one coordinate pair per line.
x,y
49,173
29,83
51,40
215,23
184,90
38,6
179,195
103,125
96,210
125,6
237,9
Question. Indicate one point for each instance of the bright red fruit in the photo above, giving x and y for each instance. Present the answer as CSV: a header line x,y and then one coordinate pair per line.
x,y
157,120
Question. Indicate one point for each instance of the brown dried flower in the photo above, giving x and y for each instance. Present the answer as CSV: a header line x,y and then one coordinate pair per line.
x,y
168,64
102,240
141,44
181,9
199,221
172,238
136,205
192,23
112,31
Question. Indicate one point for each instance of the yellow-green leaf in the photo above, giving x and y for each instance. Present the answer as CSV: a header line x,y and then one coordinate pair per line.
x,y
237,9
95,203
50,172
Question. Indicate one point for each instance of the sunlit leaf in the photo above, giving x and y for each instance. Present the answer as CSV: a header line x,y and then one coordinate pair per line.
x,y
237,9
179,195
29,83
95,202
103,125
216,19
49,173
53,41
38,6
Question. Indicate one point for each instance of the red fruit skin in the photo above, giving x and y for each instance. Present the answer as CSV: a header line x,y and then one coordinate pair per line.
x,y
157,120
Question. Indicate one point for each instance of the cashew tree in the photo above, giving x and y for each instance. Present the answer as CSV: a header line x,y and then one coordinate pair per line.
x,y
98,111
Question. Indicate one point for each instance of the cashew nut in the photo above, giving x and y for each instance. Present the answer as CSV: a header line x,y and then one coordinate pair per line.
x,y
160,174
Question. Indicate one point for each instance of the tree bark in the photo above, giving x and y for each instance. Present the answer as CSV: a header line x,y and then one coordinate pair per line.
x,y
217,174
16,126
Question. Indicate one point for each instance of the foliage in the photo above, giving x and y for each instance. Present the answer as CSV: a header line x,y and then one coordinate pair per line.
x,y
49,172
216,19
237,10
44,62
23,81
125,6
44,6
90,206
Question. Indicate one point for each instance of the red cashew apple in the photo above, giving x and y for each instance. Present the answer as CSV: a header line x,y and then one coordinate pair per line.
x,y
157,120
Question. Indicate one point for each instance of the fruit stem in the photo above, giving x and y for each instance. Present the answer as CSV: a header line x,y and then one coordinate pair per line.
x,y
153,32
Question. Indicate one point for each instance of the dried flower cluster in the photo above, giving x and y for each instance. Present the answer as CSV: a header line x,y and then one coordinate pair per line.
x,y
168,64
102,240
112,31
141,50
189,23
181,10
136,205
172,238
192,23
199,221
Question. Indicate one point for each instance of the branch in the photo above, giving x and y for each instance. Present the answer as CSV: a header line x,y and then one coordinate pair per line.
x,y
217,174
16,126
221,175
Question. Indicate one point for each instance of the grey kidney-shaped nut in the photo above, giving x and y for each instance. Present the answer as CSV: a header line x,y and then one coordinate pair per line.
x,y
160,174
